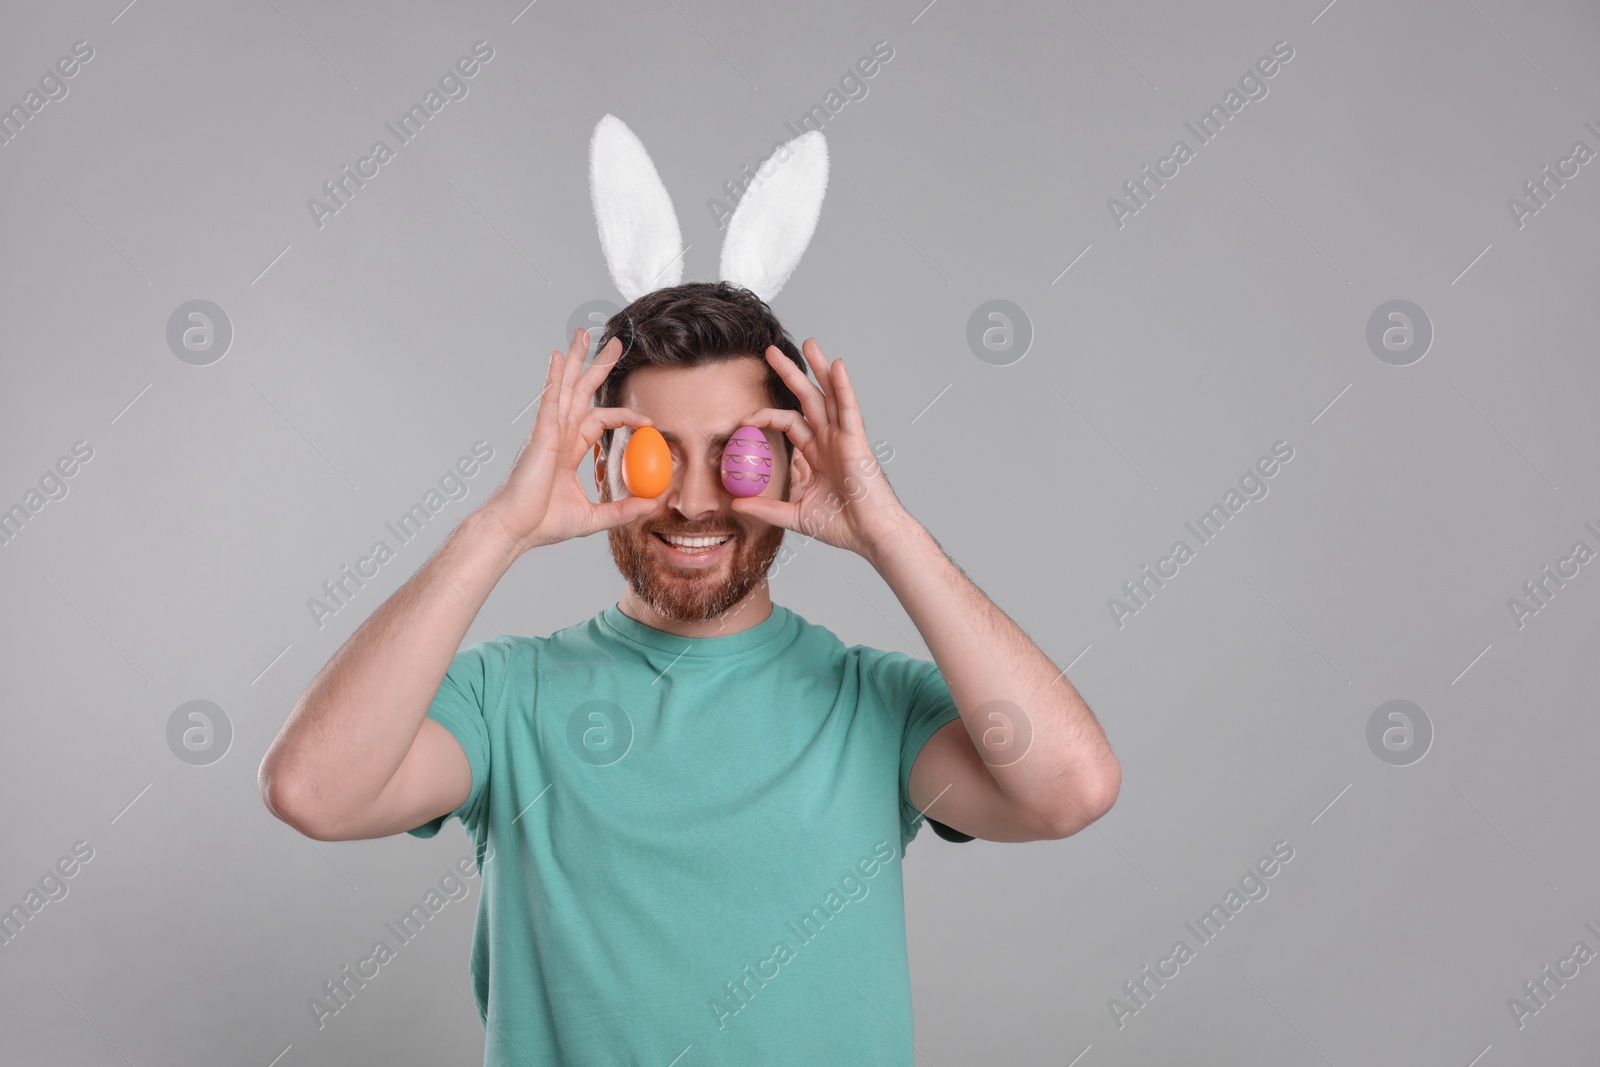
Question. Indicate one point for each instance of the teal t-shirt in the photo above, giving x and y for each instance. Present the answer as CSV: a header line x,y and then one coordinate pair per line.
x,y
690,847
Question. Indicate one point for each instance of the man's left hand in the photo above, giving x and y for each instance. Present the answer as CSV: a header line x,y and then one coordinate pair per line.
x,y
846,500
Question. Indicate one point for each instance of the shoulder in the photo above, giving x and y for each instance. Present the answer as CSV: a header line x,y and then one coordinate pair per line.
x,y
899,683
882,668
499,650
490,662
892,669
811,634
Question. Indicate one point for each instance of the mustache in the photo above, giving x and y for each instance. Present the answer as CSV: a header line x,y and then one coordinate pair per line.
x,y
716,531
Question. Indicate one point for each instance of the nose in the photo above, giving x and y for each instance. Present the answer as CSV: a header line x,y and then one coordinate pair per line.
x,y
697,491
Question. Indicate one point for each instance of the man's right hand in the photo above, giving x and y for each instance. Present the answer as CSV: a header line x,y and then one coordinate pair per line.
x,y
542,500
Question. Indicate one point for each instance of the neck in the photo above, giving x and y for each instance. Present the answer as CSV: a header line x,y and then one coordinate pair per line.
x,y
753,610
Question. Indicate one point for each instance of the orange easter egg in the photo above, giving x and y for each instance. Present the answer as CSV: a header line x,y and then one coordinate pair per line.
x,y
646,463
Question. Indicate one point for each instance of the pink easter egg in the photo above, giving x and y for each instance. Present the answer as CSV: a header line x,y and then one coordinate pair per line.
x,y
746,462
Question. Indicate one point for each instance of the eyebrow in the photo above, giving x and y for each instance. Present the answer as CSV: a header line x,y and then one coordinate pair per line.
x,y
719,440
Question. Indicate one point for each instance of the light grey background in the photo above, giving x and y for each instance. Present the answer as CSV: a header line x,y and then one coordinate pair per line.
x,y
1229,313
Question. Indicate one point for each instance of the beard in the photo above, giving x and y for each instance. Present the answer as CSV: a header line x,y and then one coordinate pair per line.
x,y
696,594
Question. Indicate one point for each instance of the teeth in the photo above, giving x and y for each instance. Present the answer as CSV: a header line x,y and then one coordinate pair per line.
x,y
697,542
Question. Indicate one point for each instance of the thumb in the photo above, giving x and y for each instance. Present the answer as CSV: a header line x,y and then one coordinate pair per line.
x,y
622,512
768,511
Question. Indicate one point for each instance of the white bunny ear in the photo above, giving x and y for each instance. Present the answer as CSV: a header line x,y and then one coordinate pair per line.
x,y
638,229
774,221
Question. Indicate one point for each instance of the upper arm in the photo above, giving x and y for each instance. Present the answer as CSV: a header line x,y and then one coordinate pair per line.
x,y
444,772
944,778
950,783
433,780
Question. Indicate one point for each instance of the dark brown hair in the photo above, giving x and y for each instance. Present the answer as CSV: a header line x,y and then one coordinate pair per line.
x,y
693,324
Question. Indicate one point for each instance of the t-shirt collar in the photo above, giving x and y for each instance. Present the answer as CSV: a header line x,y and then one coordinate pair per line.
x,y
631,629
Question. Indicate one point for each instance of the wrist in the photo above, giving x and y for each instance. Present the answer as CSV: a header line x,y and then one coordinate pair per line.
x,y
891,538
488,528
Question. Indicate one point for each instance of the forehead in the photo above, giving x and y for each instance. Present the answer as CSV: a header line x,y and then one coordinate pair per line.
x,y
692,404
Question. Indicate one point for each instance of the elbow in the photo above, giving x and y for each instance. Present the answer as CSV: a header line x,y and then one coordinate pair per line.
x,y
1109,786
1089,798
285,798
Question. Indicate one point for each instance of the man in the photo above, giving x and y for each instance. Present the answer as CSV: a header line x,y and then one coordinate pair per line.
x,y
692,808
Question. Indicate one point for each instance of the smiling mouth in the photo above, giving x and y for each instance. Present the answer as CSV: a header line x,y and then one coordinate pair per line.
x,y
695,552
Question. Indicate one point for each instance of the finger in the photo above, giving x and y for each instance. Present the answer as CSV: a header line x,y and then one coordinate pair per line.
x,y
621,512
552,380
604,360
824,372
849,410
789,422
572,368
601,419
811,399
549,396
772,512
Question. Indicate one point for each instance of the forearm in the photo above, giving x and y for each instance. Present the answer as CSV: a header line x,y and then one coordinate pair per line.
x,y
355,722
984,657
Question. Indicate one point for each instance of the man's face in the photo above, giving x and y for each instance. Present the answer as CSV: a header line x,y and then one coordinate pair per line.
x,y
693,407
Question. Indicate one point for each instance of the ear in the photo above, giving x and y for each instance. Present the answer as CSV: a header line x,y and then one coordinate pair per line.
x,y
774,221
599,468
799,476
638,228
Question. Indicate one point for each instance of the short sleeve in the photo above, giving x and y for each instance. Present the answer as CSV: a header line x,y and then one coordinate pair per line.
x,y
463,705
915,689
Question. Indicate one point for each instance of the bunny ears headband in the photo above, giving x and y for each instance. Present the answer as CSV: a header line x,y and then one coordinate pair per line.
x,y
767,234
